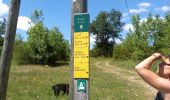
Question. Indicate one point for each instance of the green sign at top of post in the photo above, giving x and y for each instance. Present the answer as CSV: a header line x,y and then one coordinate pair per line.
x,y
81,22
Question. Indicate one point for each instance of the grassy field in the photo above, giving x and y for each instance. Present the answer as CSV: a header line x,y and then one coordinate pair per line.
x,y
34,82
107,86
130,64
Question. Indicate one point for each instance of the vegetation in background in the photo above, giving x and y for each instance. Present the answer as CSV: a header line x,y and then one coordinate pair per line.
x,y
147,37
21,51
106,28
44,46
2,32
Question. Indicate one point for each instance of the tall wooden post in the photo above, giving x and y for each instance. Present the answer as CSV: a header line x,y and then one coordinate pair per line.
x,y
78,7
6,57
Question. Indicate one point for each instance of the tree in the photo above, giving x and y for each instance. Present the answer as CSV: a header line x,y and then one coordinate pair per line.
x,y
37,40
137,40
22,54
2,26
58,46
2,32
146,37
165,41
46,46
37,17
106,27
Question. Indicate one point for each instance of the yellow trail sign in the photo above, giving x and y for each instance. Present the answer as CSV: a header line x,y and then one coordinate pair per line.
x,y
81,55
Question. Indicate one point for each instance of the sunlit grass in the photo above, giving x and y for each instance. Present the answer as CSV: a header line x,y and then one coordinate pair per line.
x,y
34,82
106,86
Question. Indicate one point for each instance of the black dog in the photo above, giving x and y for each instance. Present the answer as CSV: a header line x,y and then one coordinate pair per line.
x,y
60,87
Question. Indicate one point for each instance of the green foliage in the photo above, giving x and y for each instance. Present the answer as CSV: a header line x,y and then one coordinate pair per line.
x,y
106,27
44,46
37,40
21,52
147,36
58,47
2,26
165,41
120,52
2,32
47,46
37,17
95,52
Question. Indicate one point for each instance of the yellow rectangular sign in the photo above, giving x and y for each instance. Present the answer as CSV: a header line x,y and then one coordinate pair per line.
x,y
81,55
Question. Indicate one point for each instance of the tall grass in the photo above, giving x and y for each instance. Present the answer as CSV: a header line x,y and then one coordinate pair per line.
x,y
130,64
34,82
106,86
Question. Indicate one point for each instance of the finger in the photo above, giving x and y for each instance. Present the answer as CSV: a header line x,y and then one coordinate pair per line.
x,y
167,61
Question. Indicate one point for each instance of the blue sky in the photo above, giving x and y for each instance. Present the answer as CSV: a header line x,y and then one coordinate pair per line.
x,y
58,12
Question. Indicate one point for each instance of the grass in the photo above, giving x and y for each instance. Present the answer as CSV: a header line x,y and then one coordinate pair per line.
x,y
34,82
105,86
130,64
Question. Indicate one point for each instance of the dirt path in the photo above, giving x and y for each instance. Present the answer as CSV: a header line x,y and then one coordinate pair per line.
x,y
127,75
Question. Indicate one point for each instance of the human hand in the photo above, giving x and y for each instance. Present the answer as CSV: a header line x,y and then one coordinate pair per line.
x,y
164,59
157,55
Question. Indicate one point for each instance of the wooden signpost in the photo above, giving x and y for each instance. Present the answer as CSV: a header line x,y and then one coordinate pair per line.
x,y
9,38
80,51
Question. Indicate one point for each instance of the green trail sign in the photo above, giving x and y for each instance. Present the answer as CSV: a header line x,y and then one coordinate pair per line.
x,y
81,85
81,22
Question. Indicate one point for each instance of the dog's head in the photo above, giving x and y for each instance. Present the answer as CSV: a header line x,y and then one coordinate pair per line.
x,y
53,87
56,87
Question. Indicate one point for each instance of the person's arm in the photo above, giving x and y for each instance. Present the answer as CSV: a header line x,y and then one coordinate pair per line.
x,y
150,77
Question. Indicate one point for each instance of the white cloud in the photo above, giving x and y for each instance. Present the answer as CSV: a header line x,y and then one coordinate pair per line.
x,y
22,20
137,11
92,40
127,27
165,8
124,16
144,5
1,19
143,19
3,8
162,17
118,41
23,23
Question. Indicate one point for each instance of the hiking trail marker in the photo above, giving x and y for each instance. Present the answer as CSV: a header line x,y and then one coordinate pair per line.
x,y
81,45
81,85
